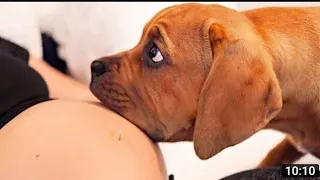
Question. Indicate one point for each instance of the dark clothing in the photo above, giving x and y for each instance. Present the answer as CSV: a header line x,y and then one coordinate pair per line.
x,y
20,86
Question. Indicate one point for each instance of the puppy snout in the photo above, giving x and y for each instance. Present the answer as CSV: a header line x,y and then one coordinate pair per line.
x,y
98,68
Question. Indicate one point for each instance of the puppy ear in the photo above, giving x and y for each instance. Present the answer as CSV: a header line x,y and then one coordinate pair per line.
x,y
240,94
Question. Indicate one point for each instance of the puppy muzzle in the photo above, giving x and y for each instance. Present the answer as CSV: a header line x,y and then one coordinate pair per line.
x,y
106,85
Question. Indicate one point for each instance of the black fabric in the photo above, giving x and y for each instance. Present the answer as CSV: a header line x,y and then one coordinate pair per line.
x,y
50,53
20,86
14,50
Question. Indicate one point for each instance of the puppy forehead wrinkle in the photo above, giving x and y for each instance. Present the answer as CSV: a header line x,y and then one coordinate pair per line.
x,y
163,33
163,23
172,11
165,16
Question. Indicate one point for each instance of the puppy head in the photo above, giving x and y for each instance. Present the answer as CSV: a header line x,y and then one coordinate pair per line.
x,y
199,72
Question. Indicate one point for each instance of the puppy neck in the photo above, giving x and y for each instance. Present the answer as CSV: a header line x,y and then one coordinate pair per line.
x,y
287,59
294,54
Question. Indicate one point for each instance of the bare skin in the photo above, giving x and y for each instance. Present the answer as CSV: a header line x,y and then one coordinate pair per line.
x,y
75,139
60,85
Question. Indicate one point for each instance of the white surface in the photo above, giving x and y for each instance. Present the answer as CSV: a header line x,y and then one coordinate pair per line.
x,y
19,24
87,31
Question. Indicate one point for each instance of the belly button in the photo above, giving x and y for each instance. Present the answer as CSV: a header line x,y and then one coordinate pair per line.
x,y
118,136
115,135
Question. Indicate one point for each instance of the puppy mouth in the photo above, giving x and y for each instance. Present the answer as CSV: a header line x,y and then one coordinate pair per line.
x,y
112,95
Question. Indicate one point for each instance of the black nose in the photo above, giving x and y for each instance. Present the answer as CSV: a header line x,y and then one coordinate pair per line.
x,y
98,68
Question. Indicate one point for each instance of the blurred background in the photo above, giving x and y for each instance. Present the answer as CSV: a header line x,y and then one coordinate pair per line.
x,y
69,36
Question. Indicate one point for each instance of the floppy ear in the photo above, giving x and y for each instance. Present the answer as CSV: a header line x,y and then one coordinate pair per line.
x,y
240,95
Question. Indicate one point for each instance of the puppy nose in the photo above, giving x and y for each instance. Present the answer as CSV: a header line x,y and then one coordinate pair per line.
x,y
98,68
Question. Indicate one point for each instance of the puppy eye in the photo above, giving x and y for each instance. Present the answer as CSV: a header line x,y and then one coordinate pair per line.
x,y
155,54
152,56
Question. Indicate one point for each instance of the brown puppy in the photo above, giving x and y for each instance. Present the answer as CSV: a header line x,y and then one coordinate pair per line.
x,y
217,76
